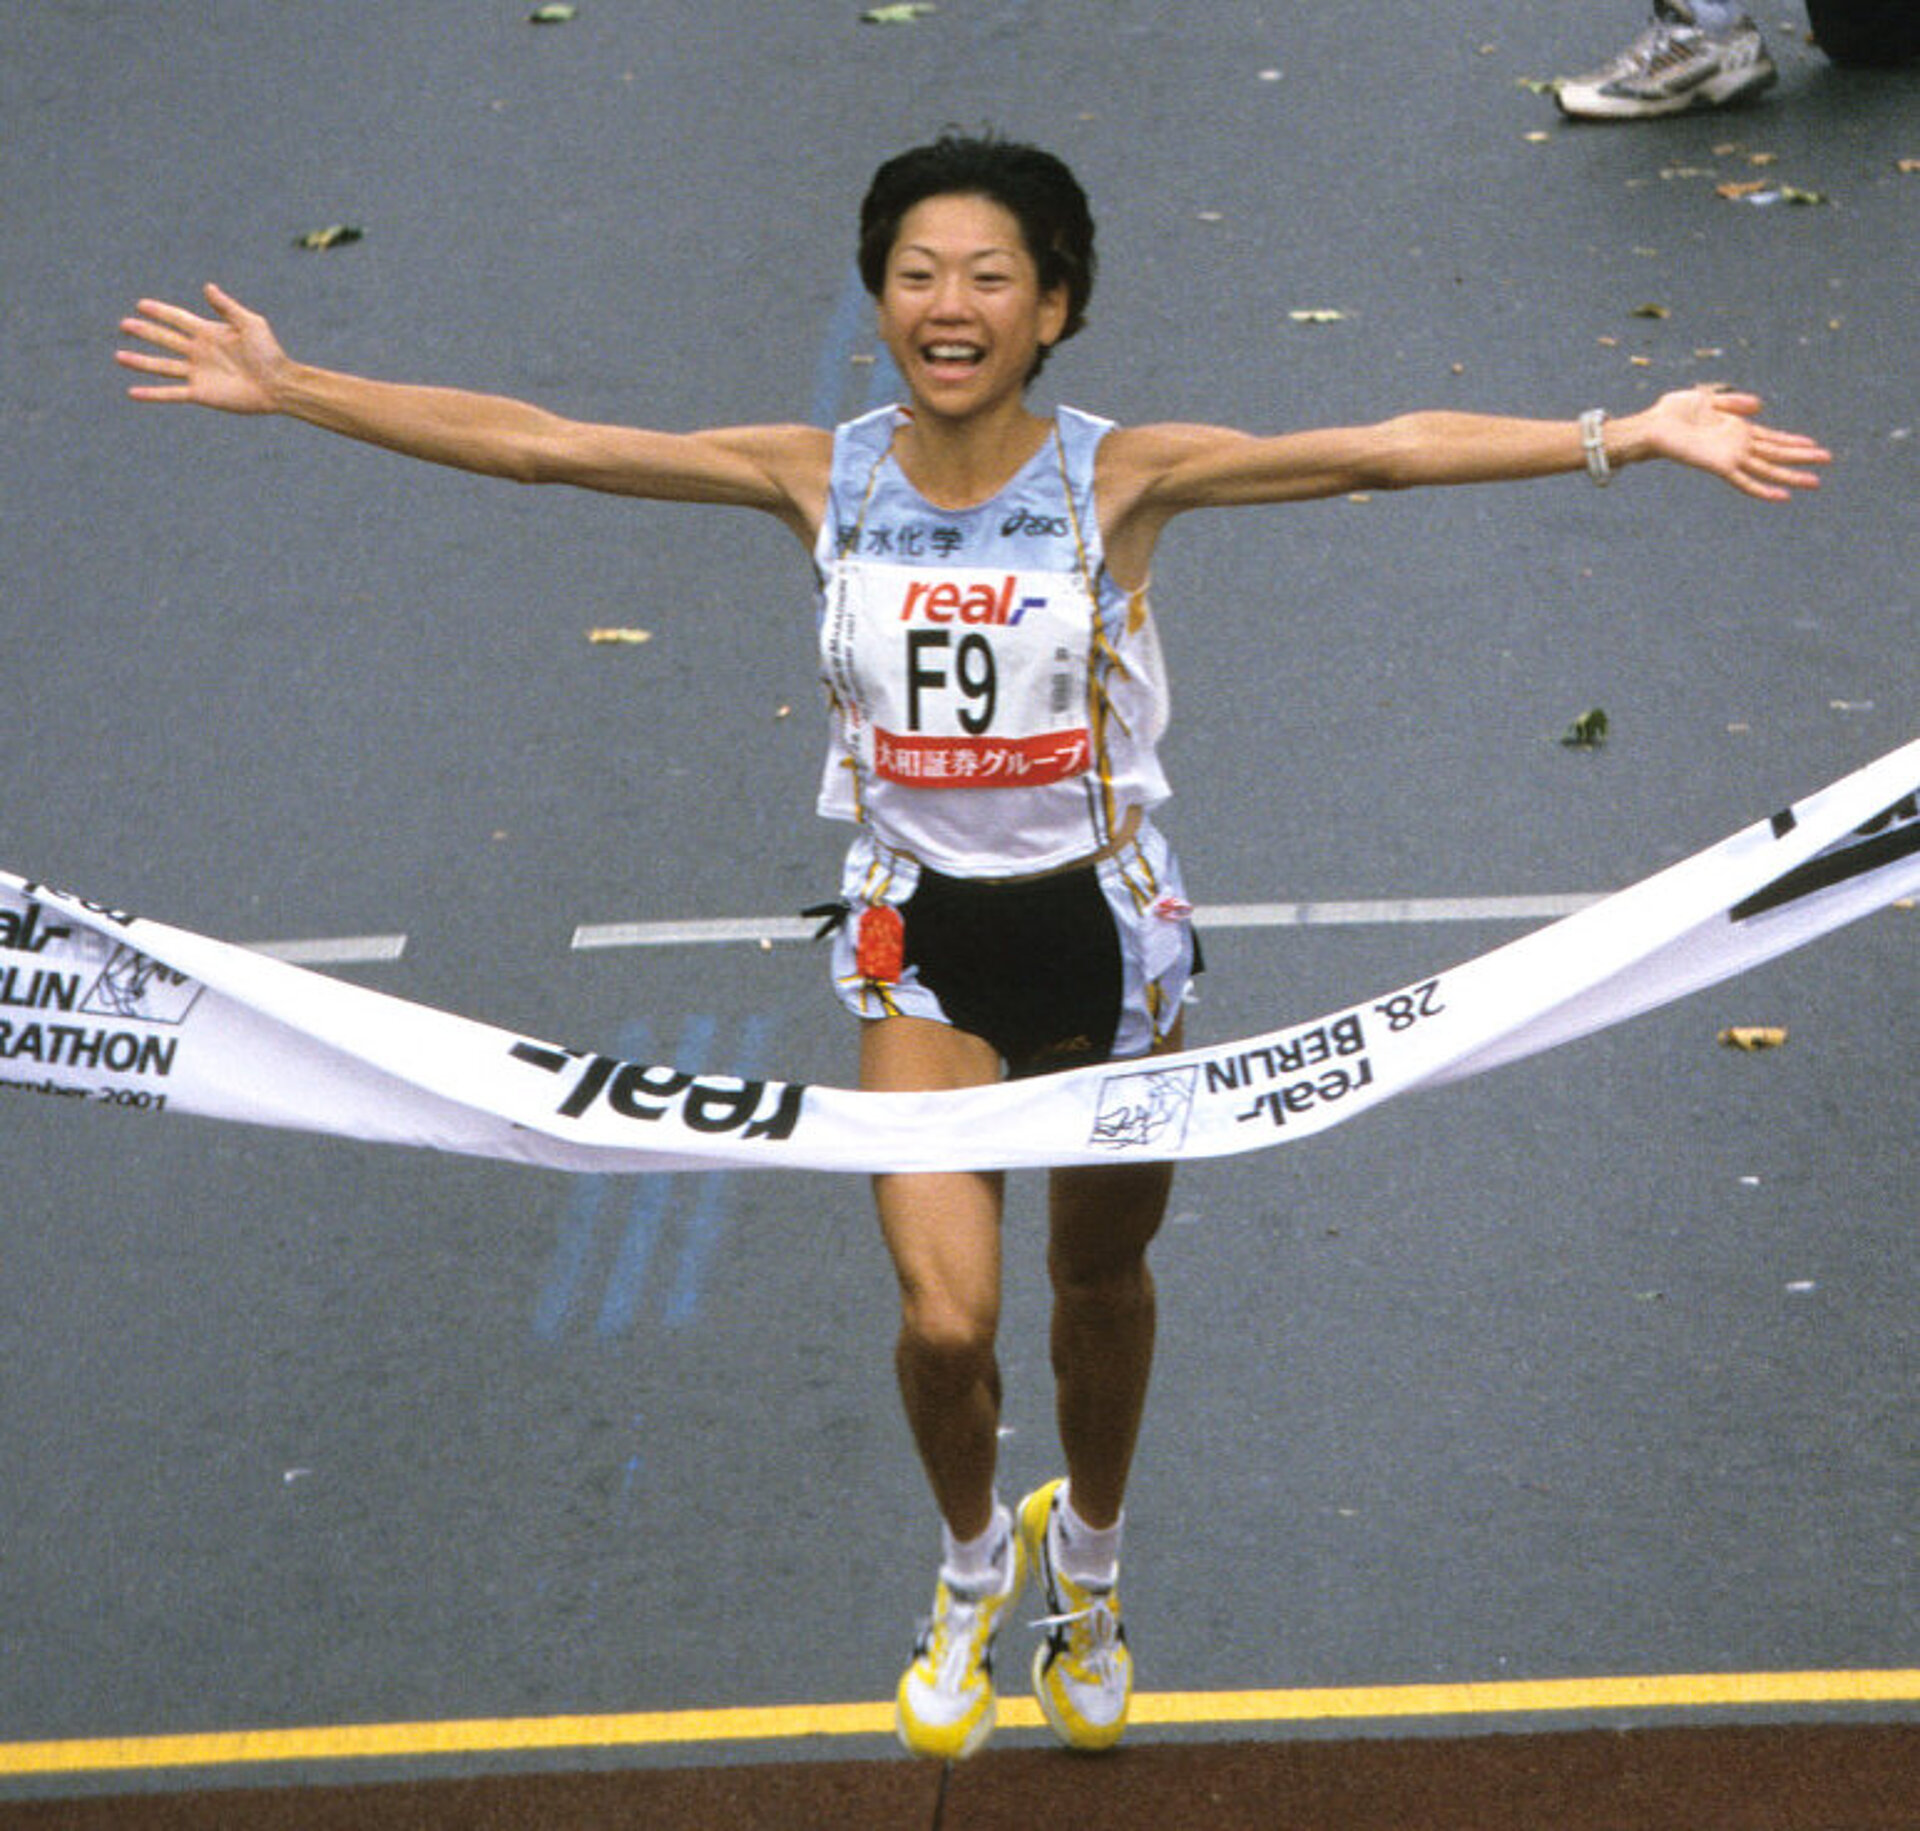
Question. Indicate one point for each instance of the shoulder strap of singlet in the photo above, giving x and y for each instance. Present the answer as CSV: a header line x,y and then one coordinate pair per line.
x,y
1076,438
860,447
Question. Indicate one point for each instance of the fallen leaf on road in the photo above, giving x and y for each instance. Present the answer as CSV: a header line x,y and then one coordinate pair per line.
x,y
620,635
1763,191
897,15
1317,316
1587,732
1753,1036
334,235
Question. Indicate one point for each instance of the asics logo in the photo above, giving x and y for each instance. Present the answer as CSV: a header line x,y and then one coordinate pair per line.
x,y
1023,521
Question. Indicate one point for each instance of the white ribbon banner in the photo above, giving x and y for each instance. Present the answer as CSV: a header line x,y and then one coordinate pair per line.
x,y
100,1006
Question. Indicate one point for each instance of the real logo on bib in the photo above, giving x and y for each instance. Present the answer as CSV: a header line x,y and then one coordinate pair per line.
x,y
977,603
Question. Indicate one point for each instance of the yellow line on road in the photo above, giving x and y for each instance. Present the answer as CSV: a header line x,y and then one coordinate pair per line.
x,y
788,1722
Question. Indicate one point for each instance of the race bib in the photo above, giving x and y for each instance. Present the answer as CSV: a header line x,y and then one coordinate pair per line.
x,y
963,677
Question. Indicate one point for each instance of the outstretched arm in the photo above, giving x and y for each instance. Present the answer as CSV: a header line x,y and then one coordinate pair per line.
x,y
233,362
1156,472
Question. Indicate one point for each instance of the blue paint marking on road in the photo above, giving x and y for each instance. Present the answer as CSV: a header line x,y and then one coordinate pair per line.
x,y
884,383
630,1475
836,369
620,1302
708,1220
653,1200
699,1201
843,330
696,1245
573,1250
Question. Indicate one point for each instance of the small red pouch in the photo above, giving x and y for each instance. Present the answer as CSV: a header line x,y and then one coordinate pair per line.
x,y
880,948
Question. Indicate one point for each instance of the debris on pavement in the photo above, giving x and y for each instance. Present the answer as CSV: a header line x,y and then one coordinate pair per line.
x,y
334,235
1753,1037
1587,732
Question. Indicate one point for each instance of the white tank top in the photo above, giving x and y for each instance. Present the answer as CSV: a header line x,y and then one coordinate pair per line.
x,y
996,698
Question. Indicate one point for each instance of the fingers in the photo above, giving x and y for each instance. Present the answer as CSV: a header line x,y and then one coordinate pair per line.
x,y
1797,451
227,305
176,334
174,327
1772,468
177,389
1774,448
169,330
150,364
172,332
175,320
1768,439
1792,479
1771,464
156,334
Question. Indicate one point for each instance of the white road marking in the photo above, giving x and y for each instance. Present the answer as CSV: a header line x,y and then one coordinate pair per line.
x,y
694,933
1401,910
336,950
367,950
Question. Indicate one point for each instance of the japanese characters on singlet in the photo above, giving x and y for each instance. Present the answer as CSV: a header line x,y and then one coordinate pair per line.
x,y
996,698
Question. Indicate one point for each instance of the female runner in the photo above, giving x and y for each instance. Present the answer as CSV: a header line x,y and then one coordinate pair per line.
x,y
995,698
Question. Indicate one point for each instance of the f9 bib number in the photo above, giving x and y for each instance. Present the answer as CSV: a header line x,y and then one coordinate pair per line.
x,y
935,665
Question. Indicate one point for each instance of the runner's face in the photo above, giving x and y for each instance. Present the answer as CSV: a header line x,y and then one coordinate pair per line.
x,y
961,309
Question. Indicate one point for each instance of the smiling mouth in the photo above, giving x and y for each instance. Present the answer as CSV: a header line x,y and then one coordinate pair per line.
x,y
954,355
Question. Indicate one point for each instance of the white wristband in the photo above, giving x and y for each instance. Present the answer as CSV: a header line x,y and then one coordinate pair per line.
x,y
1593,443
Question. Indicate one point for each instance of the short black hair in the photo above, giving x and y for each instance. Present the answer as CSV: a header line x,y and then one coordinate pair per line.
x,y
1032,185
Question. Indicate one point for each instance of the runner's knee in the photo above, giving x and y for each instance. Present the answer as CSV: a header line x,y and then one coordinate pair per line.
x,y
941,1325
1110,1284
944,1334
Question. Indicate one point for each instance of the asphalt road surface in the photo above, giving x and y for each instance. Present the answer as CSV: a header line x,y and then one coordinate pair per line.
x,y
1599,1369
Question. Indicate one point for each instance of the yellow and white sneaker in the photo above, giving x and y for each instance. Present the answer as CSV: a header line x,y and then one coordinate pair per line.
x,y
945,1705
1082,1671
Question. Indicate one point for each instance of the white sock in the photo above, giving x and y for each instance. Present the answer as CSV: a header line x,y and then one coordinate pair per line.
x,y
1085,1553
972,1563
1716,18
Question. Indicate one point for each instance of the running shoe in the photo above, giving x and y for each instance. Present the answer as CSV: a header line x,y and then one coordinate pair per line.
x,y
1671,67
945,1705
1082,1671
